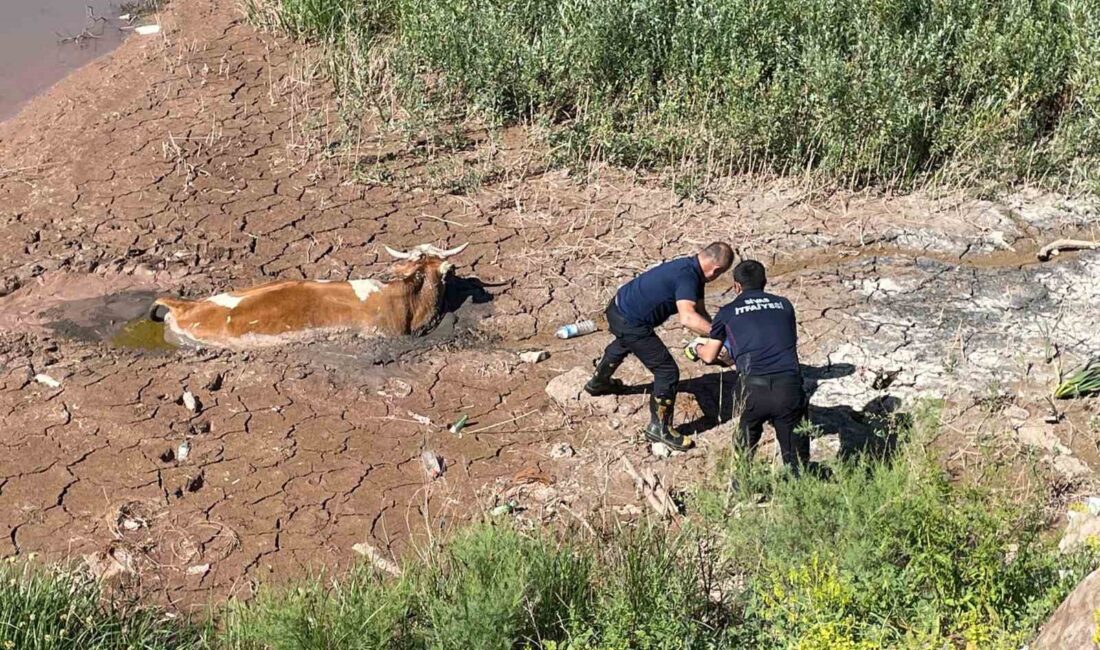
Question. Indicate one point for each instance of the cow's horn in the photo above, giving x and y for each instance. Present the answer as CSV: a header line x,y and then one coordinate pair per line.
x,y
452,251
398,254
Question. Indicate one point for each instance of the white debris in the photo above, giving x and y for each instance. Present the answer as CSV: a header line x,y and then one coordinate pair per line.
x,y
422,419
433,464
378,560
198,570
183,451
660,450
131,524
190,402
534,356
562,450
147,30
47,380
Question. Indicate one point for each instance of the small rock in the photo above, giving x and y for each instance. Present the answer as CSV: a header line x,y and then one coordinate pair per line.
x,y
1070,466
1037,436
190,402
1081,527
1017,415
198,570
433,464
182,452
562,450
131,524
47,380
660,450
534,356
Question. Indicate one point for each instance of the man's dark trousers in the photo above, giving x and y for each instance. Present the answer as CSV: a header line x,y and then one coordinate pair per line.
x,y
642,342
781,400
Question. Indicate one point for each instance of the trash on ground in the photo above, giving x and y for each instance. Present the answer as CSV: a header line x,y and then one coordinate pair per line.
x,y
422,419
534,356
433,464
147,30
457,427
198,570
47,380
183,451
580,328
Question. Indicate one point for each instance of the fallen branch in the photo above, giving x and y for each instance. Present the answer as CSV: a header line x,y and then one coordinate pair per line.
x,y
1059,245
655,495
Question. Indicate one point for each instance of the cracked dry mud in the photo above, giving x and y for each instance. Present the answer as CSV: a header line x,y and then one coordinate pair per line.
x,y
203,160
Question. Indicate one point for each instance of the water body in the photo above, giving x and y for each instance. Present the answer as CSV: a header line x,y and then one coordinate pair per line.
x,y
31,57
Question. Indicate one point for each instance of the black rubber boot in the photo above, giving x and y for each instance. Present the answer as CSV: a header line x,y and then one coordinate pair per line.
x,y
660,429
602,383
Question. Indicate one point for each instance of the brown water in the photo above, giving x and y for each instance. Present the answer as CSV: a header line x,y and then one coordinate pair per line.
x,y
32,59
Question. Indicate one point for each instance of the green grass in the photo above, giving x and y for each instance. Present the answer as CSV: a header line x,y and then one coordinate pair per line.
x,y
885,92
63,610
889,553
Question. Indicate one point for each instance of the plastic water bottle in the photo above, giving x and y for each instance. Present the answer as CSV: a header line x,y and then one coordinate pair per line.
x,y
580,328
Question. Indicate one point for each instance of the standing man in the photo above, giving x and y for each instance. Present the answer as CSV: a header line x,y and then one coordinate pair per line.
x,y
647,301
760,333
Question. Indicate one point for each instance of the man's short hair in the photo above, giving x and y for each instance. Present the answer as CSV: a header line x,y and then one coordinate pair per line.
x,y
720,253
750,275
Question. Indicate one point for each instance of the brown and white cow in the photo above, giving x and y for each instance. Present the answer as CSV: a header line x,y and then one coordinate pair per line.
x,y
408,300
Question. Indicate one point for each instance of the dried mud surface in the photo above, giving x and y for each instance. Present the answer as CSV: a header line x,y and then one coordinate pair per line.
x,y
204,159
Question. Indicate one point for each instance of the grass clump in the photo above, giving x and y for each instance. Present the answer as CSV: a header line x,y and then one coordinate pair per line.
x,y
42,610
886,553
863,92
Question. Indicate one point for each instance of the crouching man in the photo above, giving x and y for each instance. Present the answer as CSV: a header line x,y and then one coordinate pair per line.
x,y
640,306
759,332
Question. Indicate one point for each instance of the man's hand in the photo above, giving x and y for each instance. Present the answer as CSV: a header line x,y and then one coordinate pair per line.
x,y
711,351
691,319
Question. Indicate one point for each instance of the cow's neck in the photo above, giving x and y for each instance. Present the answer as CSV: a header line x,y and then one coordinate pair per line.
x,y
423,300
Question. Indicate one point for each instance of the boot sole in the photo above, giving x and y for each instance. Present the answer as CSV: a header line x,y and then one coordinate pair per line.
x,y
665,441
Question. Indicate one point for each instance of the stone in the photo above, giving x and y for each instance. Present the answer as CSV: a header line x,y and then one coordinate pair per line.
x,y
1038,436
1073,624
1079,529
1016,414
1070,466
47,380
562,450
660,450
534,356
566,389
190,402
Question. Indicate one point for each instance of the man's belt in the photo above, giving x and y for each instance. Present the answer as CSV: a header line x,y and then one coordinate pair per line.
x,y
767,381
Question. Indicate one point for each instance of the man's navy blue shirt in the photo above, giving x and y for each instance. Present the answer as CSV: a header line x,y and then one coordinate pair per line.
x,y
649,299
760,332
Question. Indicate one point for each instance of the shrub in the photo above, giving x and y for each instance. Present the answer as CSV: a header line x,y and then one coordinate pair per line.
x,y
863,91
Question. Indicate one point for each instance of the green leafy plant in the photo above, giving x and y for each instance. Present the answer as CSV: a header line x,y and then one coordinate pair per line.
x,y
1081,382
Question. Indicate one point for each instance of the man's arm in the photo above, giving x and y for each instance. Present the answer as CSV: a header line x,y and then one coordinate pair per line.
x,y
691,319
701,309
710,350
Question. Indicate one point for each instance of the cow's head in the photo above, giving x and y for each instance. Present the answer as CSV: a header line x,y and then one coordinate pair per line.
x,y
425,259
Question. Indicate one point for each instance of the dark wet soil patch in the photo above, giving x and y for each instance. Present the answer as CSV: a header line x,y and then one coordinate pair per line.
x,y
102,318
